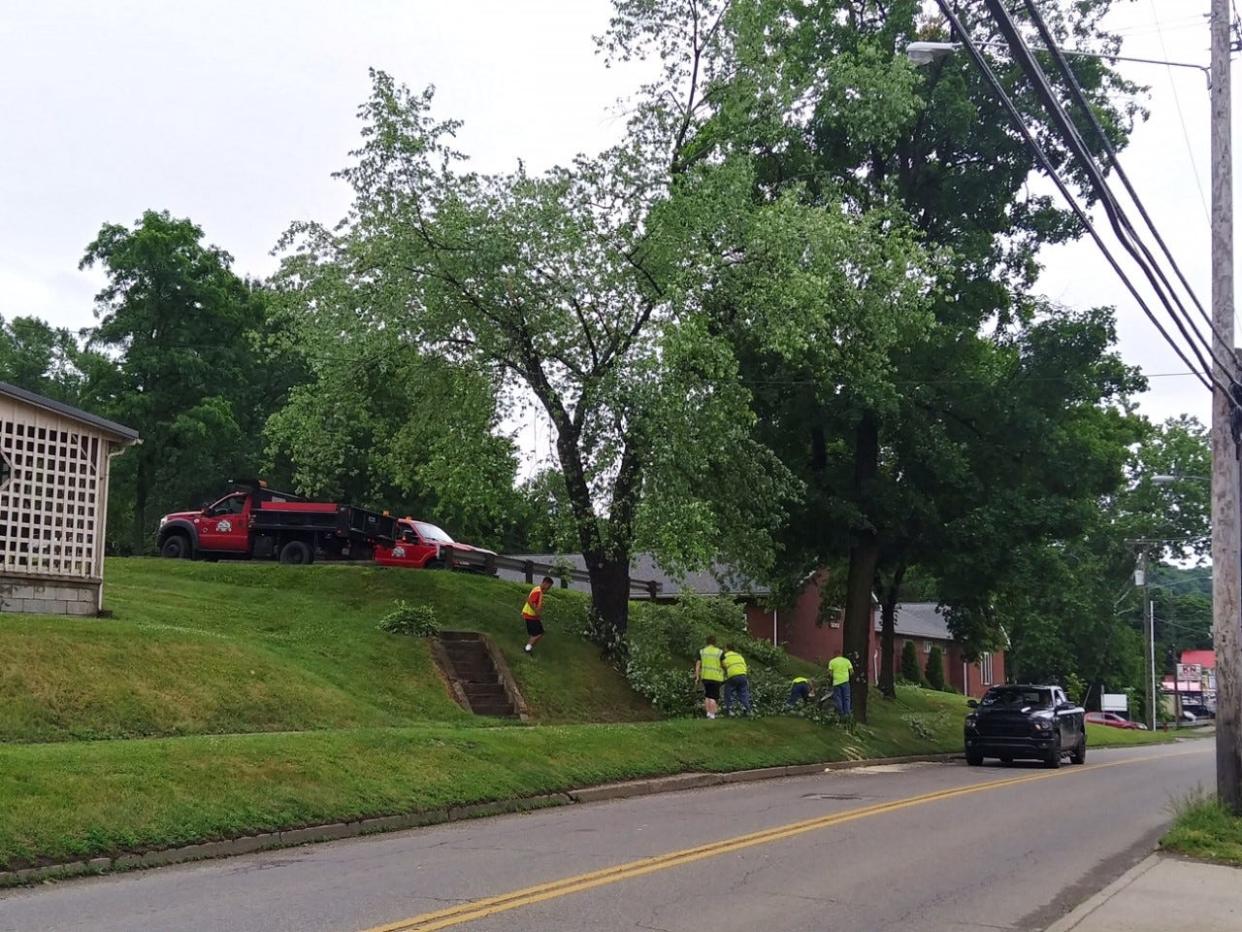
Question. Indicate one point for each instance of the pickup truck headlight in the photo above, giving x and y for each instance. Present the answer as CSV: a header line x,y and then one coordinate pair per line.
x,y
1043,724
972,720
163,520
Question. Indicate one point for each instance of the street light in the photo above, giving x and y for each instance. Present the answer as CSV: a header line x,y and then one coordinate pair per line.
x,y
1169,480
924,53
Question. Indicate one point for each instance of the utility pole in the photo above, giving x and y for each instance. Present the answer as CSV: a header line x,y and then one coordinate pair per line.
x,y
1226,546
1152,689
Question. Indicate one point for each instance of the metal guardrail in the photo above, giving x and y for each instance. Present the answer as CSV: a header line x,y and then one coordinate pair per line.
x,y
490,562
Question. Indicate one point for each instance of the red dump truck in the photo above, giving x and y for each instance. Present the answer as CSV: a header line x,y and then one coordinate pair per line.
x,y
255,522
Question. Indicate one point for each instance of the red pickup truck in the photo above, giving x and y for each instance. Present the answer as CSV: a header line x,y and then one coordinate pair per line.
x,y
260,523
421,546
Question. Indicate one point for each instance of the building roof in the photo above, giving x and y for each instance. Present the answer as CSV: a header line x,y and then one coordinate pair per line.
x,y
1205,658
719,580
120,431
919,620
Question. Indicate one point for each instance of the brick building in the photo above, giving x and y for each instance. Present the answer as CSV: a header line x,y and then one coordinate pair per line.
x,y
813,633
54,465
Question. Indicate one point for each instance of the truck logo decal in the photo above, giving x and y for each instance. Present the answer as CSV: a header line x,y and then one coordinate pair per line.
x,y
398,552
225,526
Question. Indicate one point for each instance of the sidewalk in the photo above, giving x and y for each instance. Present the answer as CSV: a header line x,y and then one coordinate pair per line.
x,y
1151,896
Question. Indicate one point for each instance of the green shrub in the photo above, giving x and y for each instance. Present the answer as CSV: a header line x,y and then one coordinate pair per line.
x,y
910,664
663,642
415,620
935,669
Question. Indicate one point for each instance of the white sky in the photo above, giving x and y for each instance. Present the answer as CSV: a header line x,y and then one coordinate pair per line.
x,y
235,113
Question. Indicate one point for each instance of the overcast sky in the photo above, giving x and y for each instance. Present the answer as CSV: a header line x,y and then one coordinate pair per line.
x,y
235,114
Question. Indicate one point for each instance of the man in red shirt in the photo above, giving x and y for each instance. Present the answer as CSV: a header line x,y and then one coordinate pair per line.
x,y
532,613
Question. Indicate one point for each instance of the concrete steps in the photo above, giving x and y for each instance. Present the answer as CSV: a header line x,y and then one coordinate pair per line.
x,y
468,664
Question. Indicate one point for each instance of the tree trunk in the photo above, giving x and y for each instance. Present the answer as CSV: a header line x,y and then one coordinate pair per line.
x,y
888,622
864,558
610,591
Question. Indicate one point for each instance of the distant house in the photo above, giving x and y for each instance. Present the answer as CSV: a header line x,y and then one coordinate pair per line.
x,y
812,632
54,464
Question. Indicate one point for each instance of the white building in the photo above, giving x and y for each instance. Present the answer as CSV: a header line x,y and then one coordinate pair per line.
x,y
54,465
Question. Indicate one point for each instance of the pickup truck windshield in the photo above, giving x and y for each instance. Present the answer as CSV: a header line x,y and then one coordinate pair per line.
x,y
1014,696
432,533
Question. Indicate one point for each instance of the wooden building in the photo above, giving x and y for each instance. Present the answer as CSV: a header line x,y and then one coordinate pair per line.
x,y
54,466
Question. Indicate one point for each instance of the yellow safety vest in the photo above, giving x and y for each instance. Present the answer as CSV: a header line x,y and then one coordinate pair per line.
x,y
528,610
734,664
841,669
710,670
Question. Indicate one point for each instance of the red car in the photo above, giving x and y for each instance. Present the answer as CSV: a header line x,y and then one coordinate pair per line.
x,y
419,544
1113,720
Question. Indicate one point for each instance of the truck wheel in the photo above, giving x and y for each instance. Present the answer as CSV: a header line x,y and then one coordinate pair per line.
x,y
296,552
176,547
974,759
1080,753
1053,761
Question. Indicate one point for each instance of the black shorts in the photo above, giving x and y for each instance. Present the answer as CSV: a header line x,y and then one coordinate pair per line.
x,y
711,689
534,627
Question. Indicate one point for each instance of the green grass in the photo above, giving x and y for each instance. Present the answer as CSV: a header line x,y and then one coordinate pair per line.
x,y
201,648
1102,736
65,801
1204,830
227,699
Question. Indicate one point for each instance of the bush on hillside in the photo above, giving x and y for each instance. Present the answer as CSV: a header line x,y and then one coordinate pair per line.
x,y
935,669
414,620
663,642
910,664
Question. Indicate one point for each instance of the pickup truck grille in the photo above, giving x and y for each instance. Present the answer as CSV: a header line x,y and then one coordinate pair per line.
x,y
1003,725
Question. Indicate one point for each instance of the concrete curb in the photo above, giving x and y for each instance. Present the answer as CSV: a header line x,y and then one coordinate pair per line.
x,y
1073,918
333,831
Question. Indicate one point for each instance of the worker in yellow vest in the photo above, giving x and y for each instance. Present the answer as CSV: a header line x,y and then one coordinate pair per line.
x,y
736,684
800,691
709,671
840,669
532,613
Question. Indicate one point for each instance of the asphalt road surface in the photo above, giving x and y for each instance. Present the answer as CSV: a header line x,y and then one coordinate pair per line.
x,y
905,847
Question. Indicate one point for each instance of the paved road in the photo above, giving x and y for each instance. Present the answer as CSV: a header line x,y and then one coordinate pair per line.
x,y
919,847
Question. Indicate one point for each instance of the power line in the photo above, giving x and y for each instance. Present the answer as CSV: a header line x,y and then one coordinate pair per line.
x,y
1122,228
1080,98
1042,158
1177,102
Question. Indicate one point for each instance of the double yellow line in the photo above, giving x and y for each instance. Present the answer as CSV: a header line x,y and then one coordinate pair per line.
x,y
481,909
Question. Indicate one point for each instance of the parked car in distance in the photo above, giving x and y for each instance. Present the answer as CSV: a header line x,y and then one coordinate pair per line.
x,y
1198,711
1030,722
420,545
1113,720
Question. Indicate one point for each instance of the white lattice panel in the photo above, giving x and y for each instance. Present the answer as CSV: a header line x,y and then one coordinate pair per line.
x,y
51,502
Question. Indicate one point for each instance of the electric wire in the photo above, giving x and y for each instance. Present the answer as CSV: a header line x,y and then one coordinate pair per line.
x,y
1046,163
1080,98
1177,103
1122,227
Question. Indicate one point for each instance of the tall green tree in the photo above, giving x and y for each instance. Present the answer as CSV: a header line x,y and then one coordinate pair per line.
x,y
180,326
1071,608
596,289
379,421
821,97
41,358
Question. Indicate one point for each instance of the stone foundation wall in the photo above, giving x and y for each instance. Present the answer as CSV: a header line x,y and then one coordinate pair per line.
x,y
54,597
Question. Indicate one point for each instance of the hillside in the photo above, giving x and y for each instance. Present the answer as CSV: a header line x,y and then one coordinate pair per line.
x,y
212,648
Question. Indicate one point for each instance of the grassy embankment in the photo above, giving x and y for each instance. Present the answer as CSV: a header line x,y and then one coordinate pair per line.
x,y
1205,830
228,699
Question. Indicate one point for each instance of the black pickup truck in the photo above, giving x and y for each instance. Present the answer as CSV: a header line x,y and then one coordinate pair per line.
x,y
1030,722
